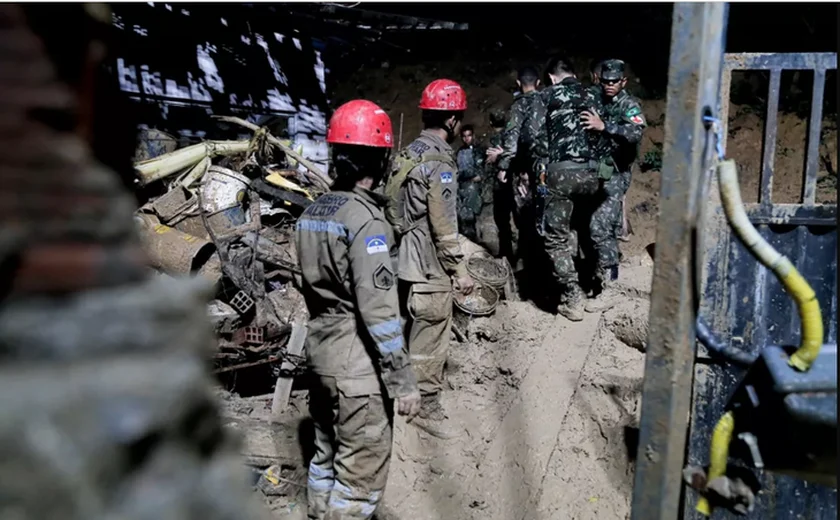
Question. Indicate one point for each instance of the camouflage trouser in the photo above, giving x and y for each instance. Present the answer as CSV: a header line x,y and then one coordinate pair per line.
x,y
566,187
469,207
429,312
606,223
504,206
353,432
624,185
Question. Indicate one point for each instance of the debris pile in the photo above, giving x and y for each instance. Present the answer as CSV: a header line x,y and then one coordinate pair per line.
x,y
225,211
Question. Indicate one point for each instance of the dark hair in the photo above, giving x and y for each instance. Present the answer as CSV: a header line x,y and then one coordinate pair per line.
x,y
559,65
528,76
353,163
467,128
437,118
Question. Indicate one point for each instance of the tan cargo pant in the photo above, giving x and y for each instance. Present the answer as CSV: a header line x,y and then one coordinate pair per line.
x,y
429,319
353,433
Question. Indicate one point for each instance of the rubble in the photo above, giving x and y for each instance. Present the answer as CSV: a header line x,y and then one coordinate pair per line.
x,y
225,211
226,214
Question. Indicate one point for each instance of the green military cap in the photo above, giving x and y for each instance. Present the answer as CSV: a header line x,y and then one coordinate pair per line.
x,y
612,70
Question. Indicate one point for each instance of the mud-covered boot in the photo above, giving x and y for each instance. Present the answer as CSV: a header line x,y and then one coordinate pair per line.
x,y
609,297
571,306
431,418
430,408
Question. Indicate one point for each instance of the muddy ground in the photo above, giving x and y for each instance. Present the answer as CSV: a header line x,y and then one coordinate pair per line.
x,y
542,421
543,412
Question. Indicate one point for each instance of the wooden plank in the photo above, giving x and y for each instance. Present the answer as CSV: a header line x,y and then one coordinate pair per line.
x,y
283,388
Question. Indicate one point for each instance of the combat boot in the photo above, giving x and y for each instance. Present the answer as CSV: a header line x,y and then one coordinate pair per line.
x,y
430,408
571,305
431,418
609,297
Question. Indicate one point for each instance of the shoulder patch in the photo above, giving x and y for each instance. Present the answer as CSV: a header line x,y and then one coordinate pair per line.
x,y
376,244
383,278
447,194
633,111
637,119
445,177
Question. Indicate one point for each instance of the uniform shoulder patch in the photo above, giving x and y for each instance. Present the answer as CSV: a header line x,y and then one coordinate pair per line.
x,y
637,119
446,177
633,111
447,194
376,244
383,278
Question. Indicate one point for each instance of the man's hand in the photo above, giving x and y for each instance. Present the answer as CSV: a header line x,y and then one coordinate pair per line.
x,y
464,285
502,176
494,153
409,405
592,121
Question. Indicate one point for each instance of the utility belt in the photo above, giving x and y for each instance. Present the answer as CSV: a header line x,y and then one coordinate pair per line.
x,y
605,168
571,165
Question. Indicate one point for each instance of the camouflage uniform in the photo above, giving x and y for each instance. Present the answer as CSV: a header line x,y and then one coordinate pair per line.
x,y
525,148
429,255
355,349
524,139
470,161
623,127
571,177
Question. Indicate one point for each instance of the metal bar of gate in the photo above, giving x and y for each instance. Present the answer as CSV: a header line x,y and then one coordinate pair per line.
x,y
771,127
809,192
693,82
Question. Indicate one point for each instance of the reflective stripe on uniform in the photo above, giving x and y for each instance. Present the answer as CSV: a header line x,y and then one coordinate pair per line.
x,y
386,329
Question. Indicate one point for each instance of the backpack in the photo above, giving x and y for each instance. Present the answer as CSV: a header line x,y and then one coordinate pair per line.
x,y
404,163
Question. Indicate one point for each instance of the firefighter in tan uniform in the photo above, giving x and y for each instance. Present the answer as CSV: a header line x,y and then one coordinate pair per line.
x,y
355,347
430,255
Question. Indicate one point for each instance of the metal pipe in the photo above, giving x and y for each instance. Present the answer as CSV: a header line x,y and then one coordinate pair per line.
x,y
693,82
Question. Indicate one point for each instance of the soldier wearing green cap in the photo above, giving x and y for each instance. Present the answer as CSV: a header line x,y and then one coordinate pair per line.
x,y
621,126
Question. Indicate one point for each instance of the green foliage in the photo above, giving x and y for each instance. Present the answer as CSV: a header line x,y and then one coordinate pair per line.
x,y
652,159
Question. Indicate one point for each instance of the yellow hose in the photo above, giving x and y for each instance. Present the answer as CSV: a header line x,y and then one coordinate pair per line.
x,y
721,437
806,300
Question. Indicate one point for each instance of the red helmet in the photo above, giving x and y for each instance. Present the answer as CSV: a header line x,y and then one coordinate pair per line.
x,y
362,123
443,94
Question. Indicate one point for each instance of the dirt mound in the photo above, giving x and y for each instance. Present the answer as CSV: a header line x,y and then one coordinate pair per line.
x,y
628,322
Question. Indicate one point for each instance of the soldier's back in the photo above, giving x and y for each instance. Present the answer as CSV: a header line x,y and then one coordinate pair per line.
x,y
568,140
